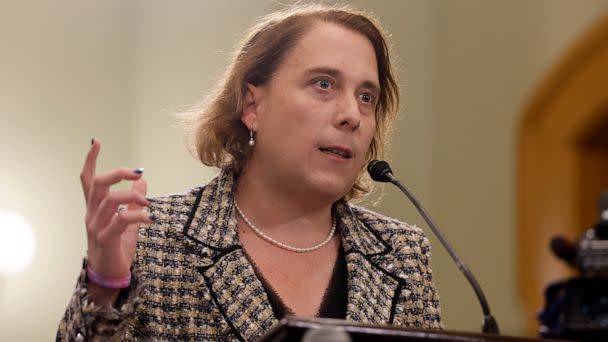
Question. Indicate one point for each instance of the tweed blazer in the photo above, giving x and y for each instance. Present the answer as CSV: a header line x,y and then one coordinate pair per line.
x,y
192,280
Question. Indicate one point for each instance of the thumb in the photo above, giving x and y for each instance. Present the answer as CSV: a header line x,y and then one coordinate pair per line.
x,y
140,186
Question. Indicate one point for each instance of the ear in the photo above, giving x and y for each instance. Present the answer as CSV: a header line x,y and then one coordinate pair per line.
x,y
251,106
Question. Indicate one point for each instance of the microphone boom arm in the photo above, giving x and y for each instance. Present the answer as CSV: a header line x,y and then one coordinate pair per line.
x,y
489,324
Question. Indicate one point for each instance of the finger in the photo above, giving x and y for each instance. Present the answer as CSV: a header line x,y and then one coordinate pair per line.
x,y
140,186
88,169
120,222
102,182
110,203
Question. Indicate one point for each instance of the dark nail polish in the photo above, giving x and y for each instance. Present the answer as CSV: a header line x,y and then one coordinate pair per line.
x,y
152,218
139,170
92,141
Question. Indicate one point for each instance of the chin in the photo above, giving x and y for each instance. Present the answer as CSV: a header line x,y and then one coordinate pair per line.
x,y
332,188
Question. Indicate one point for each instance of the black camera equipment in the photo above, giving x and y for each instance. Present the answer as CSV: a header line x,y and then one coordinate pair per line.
x,y
577,308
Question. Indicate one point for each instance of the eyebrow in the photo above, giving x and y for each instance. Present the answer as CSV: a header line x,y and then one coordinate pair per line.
x,y
333,72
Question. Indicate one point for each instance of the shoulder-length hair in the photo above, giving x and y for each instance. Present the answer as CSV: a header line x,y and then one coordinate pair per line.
x,y
214,130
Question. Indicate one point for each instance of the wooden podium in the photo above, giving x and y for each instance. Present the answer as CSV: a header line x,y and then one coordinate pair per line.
x,y
322,329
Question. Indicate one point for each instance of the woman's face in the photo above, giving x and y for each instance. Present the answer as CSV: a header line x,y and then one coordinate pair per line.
x,y
315,119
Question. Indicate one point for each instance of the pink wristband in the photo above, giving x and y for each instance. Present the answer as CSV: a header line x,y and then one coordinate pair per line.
x,y
109,283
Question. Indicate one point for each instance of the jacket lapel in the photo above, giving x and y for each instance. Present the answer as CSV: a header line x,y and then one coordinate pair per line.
x,y
220,260
372,286
239,295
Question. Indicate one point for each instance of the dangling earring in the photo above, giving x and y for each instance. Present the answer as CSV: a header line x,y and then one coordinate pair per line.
x,y
251,141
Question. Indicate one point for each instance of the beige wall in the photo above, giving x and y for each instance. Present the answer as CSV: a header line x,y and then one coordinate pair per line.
x,y
117,70
63,78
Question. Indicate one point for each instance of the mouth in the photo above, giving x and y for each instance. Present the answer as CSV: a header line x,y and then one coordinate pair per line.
x,y
337,151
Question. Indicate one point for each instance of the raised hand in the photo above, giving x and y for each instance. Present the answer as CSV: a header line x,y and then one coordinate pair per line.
x,y
112,233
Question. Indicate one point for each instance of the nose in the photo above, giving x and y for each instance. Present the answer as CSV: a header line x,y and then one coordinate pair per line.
x,y
348,116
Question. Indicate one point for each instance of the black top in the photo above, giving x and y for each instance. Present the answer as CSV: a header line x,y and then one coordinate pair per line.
x,y
335,299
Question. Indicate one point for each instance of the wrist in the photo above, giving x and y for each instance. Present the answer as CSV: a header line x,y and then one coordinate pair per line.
x,y
107,282
102,296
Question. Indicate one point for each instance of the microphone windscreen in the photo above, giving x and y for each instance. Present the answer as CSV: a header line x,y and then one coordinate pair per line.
x,y
378,170
564,249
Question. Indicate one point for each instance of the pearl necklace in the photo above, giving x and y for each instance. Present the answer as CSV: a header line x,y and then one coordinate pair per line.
x,y
282,245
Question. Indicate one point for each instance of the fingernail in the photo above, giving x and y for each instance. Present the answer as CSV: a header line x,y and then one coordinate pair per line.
x,y
139,170
152,218
92,141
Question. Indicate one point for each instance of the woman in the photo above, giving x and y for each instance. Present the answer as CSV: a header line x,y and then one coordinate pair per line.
x,y
304,106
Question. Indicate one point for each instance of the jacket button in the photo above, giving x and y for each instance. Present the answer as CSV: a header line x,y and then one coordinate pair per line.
x,y
79,338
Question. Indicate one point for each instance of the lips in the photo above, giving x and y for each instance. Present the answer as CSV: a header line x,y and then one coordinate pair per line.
x,y
338,151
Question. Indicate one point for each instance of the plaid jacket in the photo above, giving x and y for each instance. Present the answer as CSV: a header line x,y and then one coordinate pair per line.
x,y
192,280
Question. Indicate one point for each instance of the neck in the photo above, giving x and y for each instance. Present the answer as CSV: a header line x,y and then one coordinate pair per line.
x,y
276,210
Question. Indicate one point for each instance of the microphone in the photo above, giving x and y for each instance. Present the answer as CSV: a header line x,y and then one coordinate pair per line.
x,y
564,249
380,171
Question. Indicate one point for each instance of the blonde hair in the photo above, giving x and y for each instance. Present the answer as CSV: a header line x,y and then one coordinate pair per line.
x,y
214,130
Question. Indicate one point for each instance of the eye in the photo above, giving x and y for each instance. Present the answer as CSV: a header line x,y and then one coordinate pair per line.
x,y
367,98
324,83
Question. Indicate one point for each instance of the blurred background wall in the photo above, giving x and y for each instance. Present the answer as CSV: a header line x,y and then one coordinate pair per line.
x,y
118,70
